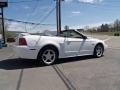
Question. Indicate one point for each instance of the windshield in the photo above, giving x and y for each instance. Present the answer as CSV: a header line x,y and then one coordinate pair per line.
x,y
48,33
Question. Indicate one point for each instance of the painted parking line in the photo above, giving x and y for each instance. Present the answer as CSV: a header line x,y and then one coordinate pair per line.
x,y
65,80
114,48
10,56
107,39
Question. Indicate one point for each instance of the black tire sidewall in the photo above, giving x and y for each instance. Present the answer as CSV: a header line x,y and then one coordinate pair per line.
x,y
95,52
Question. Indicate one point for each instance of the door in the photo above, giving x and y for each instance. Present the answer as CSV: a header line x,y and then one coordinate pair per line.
x,y
73,42
72,46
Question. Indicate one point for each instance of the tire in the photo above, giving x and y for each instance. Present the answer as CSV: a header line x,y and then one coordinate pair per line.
x,y
48,55
98,51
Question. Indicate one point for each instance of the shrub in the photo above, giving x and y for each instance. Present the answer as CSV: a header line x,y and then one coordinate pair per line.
x,y
116,34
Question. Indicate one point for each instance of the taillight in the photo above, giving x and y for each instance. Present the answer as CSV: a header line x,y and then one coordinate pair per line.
x,y
22,41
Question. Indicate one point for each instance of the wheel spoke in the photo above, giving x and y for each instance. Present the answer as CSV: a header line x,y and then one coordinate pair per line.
x,y
99,51
48,56
44,55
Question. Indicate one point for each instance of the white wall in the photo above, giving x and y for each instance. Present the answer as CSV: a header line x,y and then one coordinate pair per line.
x,y
0,36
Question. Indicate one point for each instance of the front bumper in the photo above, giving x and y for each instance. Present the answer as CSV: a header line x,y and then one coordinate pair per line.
x,y
105,46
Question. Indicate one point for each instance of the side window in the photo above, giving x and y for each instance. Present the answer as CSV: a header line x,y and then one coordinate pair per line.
x,y
65,34
74,34
70,34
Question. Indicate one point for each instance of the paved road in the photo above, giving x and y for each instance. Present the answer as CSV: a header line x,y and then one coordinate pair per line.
x,y
18,74
81,73
94,74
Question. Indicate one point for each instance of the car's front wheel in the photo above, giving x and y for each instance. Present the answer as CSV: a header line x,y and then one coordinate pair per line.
x,y
48,56
98,51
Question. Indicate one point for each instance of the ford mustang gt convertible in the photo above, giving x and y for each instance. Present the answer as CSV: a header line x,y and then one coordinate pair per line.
x,y
47,48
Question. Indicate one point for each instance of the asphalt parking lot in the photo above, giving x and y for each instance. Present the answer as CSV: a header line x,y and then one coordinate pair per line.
x,y
80,73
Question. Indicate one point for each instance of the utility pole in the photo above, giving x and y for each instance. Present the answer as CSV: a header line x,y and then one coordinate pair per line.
x,y
3,3
58,16
3,25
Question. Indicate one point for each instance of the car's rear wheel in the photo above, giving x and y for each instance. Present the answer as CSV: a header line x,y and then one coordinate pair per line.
x,y
48,56
98,51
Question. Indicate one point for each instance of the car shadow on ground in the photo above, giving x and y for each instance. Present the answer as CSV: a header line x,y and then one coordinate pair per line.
x,y
13,64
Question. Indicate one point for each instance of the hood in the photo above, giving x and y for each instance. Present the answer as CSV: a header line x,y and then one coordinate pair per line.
x,y
95,39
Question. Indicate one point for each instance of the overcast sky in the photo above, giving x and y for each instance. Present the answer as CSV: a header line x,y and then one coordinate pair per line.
x,y
75,13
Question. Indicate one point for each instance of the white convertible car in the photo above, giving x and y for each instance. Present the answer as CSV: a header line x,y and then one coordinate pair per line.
x,y
47,48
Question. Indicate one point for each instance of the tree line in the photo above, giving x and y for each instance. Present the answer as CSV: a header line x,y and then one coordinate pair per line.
x,y
113,27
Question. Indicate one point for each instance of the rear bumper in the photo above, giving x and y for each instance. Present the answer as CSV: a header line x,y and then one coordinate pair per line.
x,y
25,52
